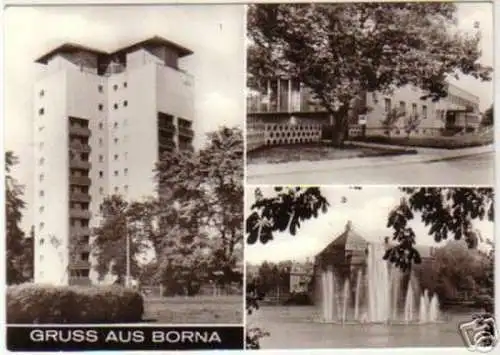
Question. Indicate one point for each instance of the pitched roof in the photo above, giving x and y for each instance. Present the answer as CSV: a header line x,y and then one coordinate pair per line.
x,y
348,240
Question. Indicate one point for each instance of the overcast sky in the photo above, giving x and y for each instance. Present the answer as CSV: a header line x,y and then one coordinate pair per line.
x,y
367,209
214,33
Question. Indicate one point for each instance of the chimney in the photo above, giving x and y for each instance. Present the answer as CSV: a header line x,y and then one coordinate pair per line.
x,y
348,226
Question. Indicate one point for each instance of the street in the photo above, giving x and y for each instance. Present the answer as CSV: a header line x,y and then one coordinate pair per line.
x,y
469,170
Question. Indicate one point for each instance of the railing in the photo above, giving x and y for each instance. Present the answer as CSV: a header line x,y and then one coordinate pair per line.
x,y
80,213
79,180
166,127
80,148
188,148
79,197
79,164
79,131
167,145
77,232
186,132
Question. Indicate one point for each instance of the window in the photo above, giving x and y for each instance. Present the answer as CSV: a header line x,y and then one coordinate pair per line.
x,y
116,156
101,190
125,188
115,106
115,87
116,189
41,111
101,174
101,107
125,171
414,109
125,155
84,256
100,142
125,103
116,172
125,84
42,93
41,161
101,126
116,140
100,88
41,177
41,225
402,106
424,111
41,258
115,125
40,145
101,158
387,105
41,209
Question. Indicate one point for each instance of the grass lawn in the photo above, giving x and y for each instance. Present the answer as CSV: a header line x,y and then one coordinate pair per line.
x,y
195,310
315,152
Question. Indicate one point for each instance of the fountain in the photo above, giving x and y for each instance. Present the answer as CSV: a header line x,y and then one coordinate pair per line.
x,y
376,294
345,300
434,309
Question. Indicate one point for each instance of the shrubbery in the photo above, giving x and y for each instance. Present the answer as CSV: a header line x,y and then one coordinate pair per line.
x,y
38,304
454,142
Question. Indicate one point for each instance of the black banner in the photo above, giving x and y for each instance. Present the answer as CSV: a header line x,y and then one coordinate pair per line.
x,y
88,338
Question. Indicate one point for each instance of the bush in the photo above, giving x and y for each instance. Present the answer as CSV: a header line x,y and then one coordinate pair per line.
x,y
443,142
44,304
299,299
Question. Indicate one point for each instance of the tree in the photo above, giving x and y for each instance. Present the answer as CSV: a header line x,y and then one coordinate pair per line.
x,y
411,124
391,119
445,274
488,117
201,210
120,220
447,212
15,236
342,50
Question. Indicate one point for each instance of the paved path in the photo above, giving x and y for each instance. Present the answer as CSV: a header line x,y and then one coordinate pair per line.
x,y
468,166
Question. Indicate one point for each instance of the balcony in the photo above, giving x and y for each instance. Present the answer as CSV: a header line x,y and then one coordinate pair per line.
x,y
79,197
80,148
168,145
79,164
187,147
79,131
166,128
186,132
79,213
79,180
77,232
79,264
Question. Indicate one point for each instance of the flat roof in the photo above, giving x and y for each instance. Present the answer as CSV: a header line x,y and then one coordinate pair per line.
x,y
68,47
155,40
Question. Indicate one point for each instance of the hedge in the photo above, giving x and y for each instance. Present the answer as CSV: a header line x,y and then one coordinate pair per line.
x,y
455,142
47,304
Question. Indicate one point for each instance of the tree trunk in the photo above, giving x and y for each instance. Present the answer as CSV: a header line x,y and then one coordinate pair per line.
x,y
341,129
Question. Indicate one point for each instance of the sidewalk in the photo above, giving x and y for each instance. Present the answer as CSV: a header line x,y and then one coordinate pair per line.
x,y
424,155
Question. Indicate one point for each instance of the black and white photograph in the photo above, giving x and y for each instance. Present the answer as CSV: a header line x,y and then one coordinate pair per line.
x,y
370,267
124,165
370,93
